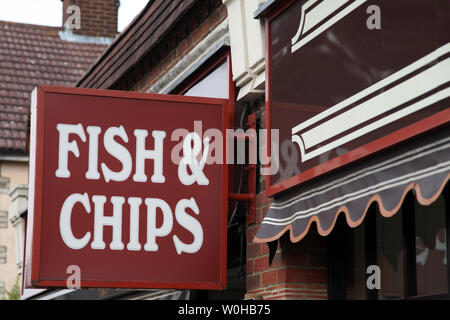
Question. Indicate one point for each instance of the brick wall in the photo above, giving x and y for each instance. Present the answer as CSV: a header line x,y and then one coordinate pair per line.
x,y
298,270
204,17
98,17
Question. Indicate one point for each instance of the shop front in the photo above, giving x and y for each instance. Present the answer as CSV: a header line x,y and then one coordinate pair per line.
x,y
359,91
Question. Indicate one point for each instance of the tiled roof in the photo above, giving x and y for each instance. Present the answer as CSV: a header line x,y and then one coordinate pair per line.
x,y
140,36
33,55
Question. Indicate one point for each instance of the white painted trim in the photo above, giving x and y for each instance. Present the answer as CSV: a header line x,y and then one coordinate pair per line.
x,y
407,90
247,37
68,35
14,158
28,293
317,15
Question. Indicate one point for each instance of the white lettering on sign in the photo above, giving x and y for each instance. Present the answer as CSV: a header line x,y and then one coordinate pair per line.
x,y
143,154
92,172
190,159
119,152
189,223
115,140
115,149
65,146
65,216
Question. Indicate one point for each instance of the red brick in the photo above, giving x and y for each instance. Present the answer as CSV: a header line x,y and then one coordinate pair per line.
x,y
257,291
293,275
251,232
253,250
213,18
253,282
258,217
294,257
197,34
262,200
181,47
261,264
250,266
98,17
317,287
296,286
281,275
264,248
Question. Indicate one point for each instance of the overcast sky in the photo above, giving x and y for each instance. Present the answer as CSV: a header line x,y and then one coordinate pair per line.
x,y
49,12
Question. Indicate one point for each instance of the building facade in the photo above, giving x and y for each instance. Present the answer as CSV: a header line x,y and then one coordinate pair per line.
x,y
358,208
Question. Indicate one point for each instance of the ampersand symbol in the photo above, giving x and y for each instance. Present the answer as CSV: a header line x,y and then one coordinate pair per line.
x,y
190,159
290,156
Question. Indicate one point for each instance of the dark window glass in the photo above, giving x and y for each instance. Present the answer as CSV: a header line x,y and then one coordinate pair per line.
x,y
354,250
354,262
390,255
431,259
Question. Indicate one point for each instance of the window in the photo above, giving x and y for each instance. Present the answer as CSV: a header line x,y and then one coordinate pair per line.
x,y
3,219
390,254
2,254
354,263
410,248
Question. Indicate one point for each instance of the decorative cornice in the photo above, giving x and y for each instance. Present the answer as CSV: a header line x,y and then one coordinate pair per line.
x,y
68,35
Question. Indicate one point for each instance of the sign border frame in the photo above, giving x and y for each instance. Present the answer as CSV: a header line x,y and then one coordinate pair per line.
x,y
33,233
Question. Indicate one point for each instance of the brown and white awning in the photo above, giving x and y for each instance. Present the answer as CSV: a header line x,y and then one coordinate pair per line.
x,y
422,164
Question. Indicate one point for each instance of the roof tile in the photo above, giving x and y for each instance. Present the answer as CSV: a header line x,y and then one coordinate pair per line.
x,y
33,55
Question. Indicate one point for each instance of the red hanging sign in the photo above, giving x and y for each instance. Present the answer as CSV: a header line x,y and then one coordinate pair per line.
x,y
121,192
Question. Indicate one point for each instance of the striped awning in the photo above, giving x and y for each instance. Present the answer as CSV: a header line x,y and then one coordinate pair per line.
x,y
422,165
